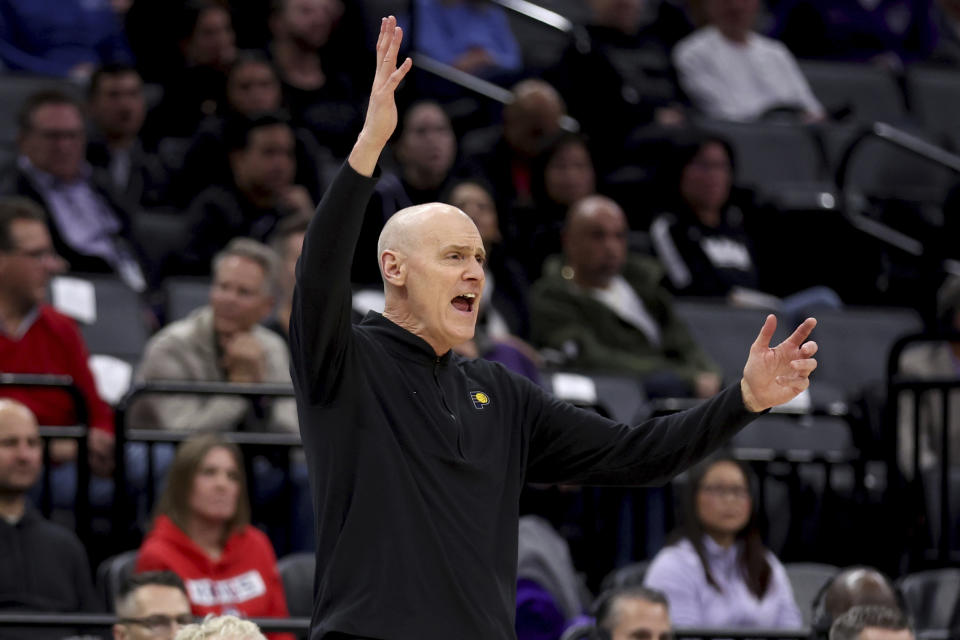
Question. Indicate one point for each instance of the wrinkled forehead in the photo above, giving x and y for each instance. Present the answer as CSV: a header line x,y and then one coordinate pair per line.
x,y
442,227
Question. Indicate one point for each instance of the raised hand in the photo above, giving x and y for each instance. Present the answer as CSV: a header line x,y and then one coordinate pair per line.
x,y
775,375
381,117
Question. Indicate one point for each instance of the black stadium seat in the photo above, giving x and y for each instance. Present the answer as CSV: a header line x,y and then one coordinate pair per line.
x,y
870,93
296,571
112,574
932,597
934,96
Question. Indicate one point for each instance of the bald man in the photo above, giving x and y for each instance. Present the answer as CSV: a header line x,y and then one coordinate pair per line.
x,y
613,310
853,587
44,565
416,455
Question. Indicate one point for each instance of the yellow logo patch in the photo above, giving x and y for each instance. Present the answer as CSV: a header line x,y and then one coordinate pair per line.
x,y
480,399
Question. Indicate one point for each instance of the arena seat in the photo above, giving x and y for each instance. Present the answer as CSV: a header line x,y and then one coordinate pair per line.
x,y
807,579
184,294
934,94
112,574
932,597
870,93
162,233
296,571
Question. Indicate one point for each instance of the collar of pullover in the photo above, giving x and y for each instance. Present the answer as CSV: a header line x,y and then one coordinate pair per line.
x,y
402,342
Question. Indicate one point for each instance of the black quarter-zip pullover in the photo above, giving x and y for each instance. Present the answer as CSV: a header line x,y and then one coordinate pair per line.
x,y
417,460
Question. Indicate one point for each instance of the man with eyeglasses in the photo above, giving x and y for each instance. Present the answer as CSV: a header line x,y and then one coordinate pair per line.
x,y
89,224
151,605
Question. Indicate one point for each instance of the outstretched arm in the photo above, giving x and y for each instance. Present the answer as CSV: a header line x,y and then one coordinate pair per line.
x,y
776,375
320,316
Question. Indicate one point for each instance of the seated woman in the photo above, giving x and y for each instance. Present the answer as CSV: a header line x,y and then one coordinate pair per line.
x,y
718,573
202,533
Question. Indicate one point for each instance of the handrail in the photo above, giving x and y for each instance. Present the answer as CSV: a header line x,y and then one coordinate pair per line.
x,y
538,14
65,384
192,387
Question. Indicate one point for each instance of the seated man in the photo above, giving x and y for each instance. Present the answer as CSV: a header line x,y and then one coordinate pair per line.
x,y
731,72
34,338
872,622
44,565
609,312
630,612
89,224
852,587
222,342
153,604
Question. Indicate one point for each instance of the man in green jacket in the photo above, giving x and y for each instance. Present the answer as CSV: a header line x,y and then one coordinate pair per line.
x,y
609,312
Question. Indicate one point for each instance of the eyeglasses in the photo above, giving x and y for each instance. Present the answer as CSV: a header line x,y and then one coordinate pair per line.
x,y
159,623
726,491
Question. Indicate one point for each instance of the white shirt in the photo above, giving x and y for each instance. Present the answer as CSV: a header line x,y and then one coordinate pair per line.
x,y
624,301
733,81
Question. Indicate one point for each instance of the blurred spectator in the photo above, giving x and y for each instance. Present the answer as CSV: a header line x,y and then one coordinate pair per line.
x,y
194,79
632,612
151,605
938,360
91,227
530,119
202,533
487,49
224,627
34,338
45,567
503,323
852,587
886,32
317,85
562,174
549,592
616,75
287,243
222,342
946,22
253,89
609,312
65,39
872,623
425,149
718,573
732,73
262,156
117,106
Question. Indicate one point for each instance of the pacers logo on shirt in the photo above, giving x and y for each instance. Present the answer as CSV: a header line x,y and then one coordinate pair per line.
x,y
480,399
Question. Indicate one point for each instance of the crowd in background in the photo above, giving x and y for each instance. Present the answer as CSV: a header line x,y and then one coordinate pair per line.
x,y
195,138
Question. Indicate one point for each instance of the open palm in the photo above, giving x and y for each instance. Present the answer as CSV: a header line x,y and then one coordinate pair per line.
x,y
774,375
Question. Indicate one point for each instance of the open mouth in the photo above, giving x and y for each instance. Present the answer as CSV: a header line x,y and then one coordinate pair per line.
x,y
465,302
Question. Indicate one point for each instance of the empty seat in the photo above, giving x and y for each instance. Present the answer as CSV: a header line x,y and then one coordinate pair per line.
x,y
296,571
184,294
807,579
869,92
934,96
798,436
932,597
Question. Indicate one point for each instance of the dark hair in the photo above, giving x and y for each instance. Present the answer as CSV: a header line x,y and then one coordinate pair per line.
x,y
287,227
604,605
851,624
158,578
408,111
447,194
13,208
252,56
43,98
190,13
752,558
237,130
551,147
683,149
109,69
175,500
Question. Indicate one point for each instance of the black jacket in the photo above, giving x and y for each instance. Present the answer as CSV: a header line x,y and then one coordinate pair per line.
x,y
417,461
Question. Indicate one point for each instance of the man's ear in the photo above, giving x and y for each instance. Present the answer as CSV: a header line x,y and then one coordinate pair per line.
x,y
394,268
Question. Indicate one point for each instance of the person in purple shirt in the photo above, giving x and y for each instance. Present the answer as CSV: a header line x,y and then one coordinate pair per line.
x,y
718,573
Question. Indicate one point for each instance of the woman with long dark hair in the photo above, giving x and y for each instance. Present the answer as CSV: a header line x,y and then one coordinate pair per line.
x,y
718,573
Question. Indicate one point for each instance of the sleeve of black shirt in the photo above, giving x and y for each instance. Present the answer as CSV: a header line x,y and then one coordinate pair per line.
x,y
320,319
572,445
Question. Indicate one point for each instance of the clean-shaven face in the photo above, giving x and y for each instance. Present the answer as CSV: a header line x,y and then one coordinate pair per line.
x,y
444,278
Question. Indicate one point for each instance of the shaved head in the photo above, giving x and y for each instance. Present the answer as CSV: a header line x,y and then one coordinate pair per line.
x,y
595,241
13,410
859,586
405,230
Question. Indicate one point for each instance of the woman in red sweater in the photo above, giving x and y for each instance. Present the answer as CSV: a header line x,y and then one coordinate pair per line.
x,y
202,533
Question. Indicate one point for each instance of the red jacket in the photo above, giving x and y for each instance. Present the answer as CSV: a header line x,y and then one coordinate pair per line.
x,y
244,581
53,344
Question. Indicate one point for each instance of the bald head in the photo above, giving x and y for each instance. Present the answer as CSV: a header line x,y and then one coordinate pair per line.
x,y
19,451
406,230
595,241
856,587
532,116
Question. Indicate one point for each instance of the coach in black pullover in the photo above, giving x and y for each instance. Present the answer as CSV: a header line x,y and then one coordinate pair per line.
x,y
417,456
